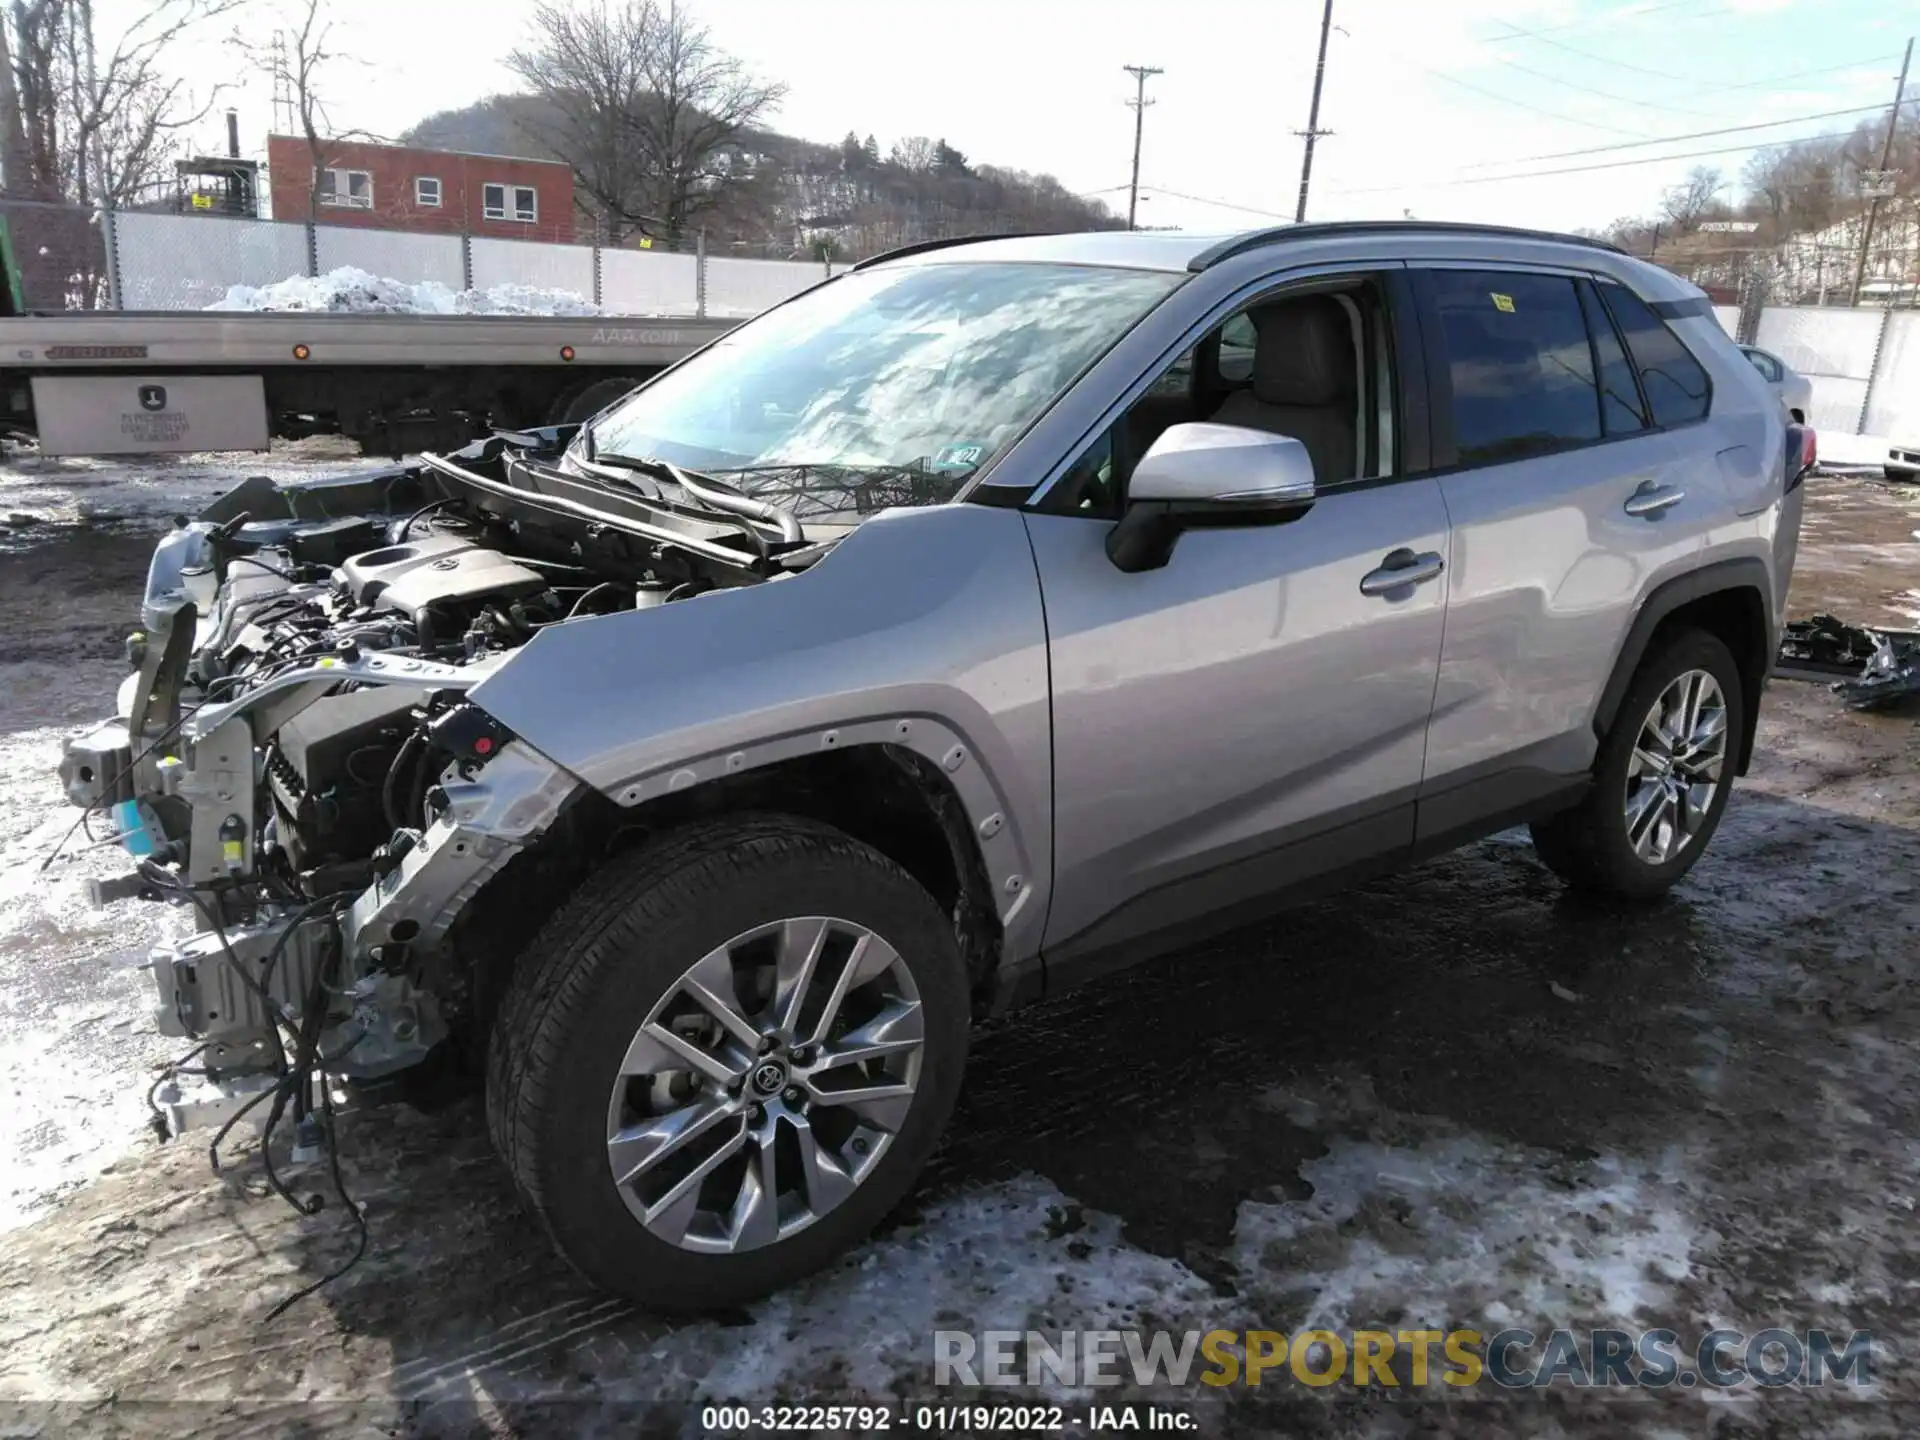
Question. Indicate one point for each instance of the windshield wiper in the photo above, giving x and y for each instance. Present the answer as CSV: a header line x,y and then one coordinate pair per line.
x,y
713,494
870,487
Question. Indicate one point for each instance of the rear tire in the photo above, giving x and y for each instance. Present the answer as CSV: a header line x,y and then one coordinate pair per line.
x,y
575,1079
1641,826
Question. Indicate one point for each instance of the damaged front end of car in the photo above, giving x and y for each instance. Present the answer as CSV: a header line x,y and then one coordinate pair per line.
x,y
296,758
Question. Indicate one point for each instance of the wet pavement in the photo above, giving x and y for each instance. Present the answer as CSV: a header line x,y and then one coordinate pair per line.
x,y
1458,1097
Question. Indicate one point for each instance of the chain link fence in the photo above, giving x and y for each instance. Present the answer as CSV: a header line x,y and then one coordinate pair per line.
x,y
75,258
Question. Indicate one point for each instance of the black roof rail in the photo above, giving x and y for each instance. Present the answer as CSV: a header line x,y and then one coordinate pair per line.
x,y
922,246
1257,239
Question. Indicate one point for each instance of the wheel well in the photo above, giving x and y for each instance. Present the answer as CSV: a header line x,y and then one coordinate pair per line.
x,y
1738,617
882,795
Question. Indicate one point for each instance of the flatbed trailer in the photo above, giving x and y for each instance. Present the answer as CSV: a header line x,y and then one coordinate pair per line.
x,y
142,382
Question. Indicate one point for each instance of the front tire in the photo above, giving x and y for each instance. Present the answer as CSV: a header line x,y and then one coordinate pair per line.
x,y
726,1058
1660,779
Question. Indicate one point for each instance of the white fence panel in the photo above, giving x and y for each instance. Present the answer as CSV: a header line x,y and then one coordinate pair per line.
x,y
1836,405
1895,408
1820,341
648,282
186,262
1729,318
746,287
403,255
533,262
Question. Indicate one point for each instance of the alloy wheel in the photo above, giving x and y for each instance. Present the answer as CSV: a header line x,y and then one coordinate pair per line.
x,y
765,1085
1675,769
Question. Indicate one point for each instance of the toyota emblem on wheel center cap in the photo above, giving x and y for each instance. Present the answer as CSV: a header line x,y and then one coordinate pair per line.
x,y
770,1078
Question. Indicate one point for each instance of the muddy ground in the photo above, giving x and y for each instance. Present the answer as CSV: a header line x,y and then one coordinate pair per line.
x,y
1457,1098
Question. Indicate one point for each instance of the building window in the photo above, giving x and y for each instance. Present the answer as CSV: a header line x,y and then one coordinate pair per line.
x,y
494,201
426,190
350,188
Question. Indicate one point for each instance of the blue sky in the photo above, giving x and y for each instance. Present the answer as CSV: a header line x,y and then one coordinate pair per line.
x,y
1421,97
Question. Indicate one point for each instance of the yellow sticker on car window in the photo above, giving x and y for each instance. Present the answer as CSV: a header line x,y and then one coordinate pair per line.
x,y
1503,303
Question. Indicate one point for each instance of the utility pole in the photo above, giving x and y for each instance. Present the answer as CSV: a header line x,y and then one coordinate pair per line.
x,y
1313,131
1886,158
1139,104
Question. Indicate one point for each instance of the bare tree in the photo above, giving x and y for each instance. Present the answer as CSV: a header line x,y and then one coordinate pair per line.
x,y
1685,205
93,121
297,59
651,113
913,152
589,65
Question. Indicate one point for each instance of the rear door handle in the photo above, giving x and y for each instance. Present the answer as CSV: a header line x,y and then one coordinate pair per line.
x,y
1650,501
1402,568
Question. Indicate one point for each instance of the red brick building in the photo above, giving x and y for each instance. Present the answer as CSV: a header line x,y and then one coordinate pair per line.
x,y
396,187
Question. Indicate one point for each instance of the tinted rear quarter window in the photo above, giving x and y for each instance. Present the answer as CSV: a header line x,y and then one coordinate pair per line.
x,y
1621,405
1676,385
1520,364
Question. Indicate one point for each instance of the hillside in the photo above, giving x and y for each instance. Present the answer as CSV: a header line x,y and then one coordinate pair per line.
x,y
787,197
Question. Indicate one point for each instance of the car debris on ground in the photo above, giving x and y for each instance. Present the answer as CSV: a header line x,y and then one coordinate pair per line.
x,y
1873,667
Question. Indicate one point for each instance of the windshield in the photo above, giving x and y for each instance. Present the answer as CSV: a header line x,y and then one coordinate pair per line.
x,y
885,387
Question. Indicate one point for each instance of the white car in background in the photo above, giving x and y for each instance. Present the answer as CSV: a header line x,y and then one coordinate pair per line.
x,y
1789,384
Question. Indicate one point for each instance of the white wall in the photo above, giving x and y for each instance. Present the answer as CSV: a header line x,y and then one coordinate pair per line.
x,y
1835,347
533,262
186,262
648,282
1894,410
746,287
404,255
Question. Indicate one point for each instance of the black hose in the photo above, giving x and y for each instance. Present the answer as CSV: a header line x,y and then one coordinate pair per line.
x,y
407,524
390,788
603,585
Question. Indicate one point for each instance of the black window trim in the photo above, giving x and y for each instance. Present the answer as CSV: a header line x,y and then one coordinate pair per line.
x,y
1445,450
1600,284
1410,368
1586,287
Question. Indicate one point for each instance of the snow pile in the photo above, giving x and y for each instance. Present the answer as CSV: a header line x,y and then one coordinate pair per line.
x,y
354,291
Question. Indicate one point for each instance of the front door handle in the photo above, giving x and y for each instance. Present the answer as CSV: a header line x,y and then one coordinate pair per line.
x,y
1651,501
1402,568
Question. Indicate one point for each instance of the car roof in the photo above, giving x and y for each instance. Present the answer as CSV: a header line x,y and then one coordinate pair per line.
x,y
1183,251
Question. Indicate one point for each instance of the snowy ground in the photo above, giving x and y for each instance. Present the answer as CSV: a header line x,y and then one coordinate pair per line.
x,y
1457,1097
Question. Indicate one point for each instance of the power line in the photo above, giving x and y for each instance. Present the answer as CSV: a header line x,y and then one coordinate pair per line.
x,y
1139,104
1690,135
1498,179
1561,116
1585,169
1625,14
1609,95
1517,34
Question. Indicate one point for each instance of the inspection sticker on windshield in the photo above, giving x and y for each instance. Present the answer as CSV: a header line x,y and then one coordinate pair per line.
x,y
959,457
1503,303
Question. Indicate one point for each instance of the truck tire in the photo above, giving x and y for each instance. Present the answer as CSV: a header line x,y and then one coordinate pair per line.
x,y
1660,779
670,1160
583,405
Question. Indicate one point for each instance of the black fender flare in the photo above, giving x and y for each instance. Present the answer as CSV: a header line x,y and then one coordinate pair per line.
x,y
1745,572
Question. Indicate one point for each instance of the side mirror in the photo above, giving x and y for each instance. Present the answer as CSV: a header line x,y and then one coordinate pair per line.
x,y
1206,476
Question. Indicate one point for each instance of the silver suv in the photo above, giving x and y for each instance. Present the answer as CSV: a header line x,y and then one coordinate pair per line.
x,y
980,619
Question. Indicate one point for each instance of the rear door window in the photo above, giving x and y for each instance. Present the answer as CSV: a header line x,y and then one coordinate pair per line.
x,y
1675,383
1519,363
